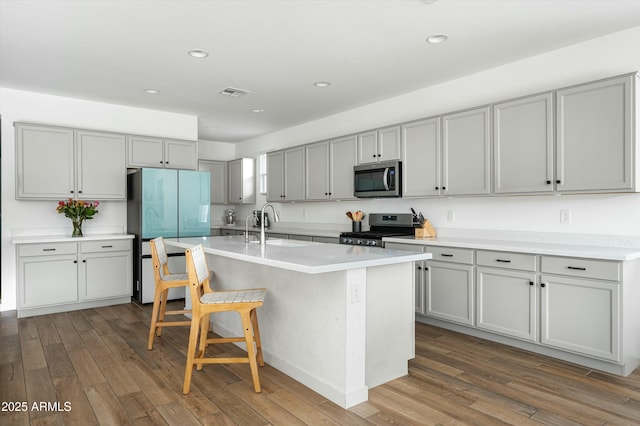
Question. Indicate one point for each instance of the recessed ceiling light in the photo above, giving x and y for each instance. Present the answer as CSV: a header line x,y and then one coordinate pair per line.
x,y
438,38
197,53
322,84
152,91
212,127
257,110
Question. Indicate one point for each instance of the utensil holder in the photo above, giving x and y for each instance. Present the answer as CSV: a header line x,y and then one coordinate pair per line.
x,y
356,226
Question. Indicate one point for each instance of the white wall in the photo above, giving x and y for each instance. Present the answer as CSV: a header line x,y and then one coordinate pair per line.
x,y
40,217
600,214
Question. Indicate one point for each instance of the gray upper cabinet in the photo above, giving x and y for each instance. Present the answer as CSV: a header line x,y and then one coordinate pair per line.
x,y
144,151
242,181
219,179
421,158
294,174
275,176
523,145
466,153
595,126
379,145
100,165
342,158
286,174
329,169
56,162
317,169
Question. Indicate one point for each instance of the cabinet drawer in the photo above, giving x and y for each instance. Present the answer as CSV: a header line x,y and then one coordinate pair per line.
x,y
501,259
103,246
47,249
586,268
448,254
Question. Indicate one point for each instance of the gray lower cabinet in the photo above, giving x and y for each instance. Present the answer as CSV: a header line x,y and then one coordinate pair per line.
x,y
450,291
595,134
584,310
507,294
581,306
64,276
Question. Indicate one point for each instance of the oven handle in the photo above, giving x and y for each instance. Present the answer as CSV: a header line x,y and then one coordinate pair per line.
x,y
385,178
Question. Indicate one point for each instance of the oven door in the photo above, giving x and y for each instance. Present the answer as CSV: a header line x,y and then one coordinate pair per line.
x,y
377,180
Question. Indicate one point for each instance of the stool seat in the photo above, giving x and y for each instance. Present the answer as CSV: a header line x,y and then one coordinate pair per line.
x,y
233,296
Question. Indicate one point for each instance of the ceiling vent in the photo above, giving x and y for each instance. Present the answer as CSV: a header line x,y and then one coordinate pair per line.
x,y
233,92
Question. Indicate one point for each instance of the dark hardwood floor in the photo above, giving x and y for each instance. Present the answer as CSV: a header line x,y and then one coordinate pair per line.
x,y
92,367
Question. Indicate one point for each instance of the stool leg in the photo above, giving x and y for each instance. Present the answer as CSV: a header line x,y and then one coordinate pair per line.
x,y
248,338
154,317
191,351
256,336
204,331
163,308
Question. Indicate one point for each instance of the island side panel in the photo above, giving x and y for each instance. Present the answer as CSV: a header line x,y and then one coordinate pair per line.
x,y
304,325
390,322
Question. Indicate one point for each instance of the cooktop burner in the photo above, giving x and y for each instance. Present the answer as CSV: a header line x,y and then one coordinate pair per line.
x,y
382,225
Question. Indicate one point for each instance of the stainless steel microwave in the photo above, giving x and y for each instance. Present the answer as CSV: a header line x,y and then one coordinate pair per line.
x,y
378,180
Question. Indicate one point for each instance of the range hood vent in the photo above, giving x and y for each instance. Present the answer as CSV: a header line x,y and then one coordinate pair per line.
x,y
233,92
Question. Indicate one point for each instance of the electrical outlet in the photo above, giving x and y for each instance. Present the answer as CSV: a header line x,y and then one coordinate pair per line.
x,y
565,216
356,292
451,216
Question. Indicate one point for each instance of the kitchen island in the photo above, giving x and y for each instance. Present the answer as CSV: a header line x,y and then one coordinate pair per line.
x,y
337,318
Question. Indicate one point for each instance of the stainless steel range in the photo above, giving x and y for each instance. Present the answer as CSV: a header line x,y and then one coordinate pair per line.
x,y
380,225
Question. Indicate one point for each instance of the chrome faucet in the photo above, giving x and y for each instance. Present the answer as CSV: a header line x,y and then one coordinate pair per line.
x,y
246,228
263,237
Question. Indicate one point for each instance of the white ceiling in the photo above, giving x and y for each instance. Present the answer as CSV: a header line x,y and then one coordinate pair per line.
x,y
111,50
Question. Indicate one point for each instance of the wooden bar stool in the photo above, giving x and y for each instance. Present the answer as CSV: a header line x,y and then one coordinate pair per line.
x,y
165,280
204,302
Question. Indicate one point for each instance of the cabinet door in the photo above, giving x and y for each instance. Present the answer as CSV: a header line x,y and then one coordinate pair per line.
x,y
594,136
523,145
275,176
294,174
145,152
44,162
450,292
219,179
317,171
342,158
581,316
235,181
47,280
389,146
106,275
466,153
421,158
507,303
420,290
180,155
368,147
101,166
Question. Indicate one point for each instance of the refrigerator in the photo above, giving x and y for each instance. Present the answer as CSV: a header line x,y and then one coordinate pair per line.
x,y
164,203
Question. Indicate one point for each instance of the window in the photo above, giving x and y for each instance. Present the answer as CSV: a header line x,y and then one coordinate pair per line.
x,y
262,173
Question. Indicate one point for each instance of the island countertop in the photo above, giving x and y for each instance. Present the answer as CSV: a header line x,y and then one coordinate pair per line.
x,y
301,256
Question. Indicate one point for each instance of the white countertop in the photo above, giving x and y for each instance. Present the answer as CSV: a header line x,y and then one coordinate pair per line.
x,y
301,256
44,239
590,251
